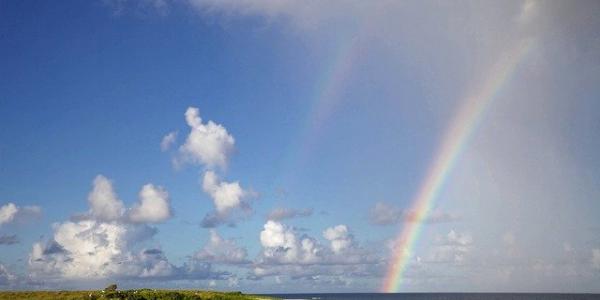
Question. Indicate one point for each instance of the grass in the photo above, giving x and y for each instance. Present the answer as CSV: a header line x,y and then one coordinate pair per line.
x,y
139,294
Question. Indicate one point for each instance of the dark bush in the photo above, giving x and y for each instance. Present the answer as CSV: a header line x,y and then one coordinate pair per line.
x,y
111,288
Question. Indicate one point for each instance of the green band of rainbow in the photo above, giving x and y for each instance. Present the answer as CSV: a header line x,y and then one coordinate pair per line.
x,y
452,145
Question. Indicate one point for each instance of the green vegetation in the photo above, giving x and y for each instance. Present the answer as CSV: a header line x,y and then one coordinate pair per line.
x,y
139,294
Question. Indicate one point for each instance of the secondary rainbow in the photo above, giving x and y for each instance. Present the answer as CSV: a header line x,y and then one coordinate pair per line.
x,y
327,98
453,143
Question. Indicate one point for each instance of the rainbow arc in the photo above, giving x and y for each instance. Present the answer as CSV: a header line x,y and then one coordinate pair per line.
x,y
453,143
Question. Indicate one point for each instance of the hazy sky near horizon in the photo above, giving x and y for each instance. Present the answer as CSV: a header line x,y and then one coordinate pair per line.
x,y
277,146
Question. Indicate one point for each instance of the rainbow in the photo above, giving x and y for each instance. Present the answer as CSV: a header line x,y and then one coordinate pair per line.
x,y
328,96
326,99
454,141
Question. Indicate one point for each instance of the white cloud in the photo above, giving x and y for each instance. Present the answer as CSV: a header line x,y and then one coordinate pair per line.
x,y
286,253
288,213
310,249
11,213
104,204
276,235
105,243
92,249
168,140
220,250
339,237
207,144
109,244
281,245
225,195
7,213
153,206
278,239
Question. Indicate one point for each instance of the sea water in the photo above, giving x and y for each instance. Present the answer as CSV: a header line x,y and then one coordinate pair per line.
x,y
437,296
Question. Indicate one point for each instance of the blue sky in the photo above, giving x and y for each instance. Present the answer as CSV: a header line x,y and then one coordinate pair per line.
x,y
89,90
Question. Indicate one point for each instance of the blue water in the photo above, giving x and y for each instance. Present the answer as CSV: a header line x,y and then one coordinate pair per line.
x,y
438,296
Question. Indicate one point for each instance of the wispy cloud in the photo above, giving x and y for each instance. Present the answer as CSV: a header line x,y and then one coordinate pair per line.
x,y
387,214
8,239
168,140
282,213
222,251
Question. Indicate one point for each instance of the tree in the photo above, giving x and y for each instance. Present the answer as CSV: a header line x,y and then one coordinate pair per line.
x,y
111,288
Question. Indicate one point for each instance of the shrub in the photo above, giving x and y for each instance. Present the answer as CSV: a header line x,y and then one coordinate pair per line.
x,y
111,288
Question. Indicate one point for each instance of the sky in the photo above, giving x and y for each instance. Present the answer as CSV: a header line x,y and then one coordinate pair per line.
x,y
300,146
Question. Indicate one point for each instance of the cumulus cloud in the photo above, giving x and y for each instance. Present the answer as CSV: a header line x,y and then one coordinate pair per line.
x,y
8,239
104,204
153,206
208,144
168,140
220,250
106,242
226,197
387,214
278,214
279,242
339,238
8,213
153,263
111,242
11,213
91,249
286,253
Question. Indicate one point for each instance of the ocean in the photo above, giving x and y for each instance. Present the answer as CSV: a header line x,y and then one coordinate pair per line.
x,y
437,296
